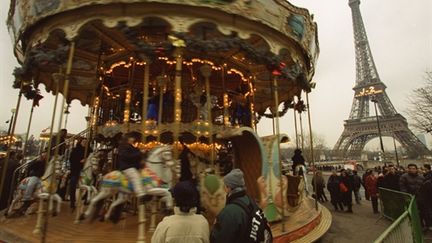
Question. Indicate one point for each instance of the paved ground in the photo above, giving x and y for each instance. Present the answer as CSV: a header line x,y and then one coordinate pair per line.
x,y
360,227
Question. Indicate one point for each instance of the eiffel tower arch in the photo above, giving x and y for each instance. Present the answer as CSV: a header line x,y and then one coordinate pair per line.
x,y
361,127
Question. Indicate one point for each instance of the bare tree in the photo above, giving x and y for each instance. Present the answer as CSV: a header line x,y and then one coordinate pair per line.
x,y
420,106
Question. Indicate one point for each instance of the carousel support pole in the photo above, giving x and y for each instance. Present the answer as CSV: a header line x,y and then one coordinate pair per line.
x,y
206,72
276,100
41,211
311,146
56,152
141,223
11,135
178,53
252,106
145,98
28,130
67,112
226,120
161,83
296,130
301,131
154,203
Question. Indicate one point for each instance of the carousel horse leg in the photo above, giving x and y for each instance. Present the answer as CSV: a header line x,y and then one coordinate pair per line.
x,y
119,201
104,193
40,214
58,201
79,206
153,204
141,221
16,199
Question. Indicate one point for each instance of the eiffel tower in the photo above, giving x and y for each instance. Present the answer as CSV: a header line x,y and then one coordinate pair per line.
x,y
361,127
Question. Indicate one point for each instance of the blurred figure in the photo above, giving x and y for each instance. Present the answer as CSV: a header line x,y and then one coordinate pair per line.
x,y
391,179
77,161
318,181
185,226
372,188
366,174
347,182
62,145
428,173
298,159
357,181
335,193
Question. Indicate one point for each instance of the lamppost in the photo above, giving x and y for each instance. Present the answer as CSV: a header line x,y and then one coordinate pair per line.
x,y
396,153
375,101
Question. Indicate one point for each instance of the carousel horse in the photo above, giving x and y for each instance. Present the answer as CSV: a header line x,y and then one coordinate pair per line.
x,y
300,170
156,178
86,182
41,187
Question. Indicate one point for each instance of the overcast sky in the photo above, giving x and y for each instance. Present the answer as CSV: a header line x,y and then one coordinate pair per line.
x,y
399,32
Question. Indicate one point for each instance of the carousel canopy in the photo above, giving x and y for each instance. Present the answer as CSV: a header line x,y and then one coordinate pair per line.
x,y
246,43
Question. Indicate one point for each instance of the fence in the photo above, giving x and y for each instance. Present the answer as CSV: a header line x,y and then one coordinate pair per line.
x,y
402,208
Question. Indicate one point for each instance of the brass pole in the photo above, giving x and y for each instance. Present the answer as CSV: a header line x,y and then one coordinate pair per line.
x,y
296,130
226,120
276,100
145,98
11,135
311,147
28,130
301,131
160,109
177,97
65,96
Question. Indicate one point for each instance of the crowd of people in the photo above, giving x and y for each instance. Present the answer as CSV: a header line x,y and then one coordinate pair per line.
x,y
344,186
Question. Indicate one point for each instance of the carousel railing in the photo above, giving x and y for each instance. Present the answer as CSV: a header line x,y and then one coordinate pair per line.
x,y
22,168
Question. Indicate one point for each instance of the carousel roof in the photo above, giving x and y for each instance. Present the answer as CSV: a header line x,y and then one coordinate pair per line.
x,y
244,41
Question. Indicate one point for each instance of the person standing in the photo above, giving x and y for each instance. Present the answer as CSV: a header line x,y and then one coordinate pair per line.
x,y
185,226
357,184
428,173
77,161
366,174
335,193
233,222
347,189
391,179
372,188
411,181
319,182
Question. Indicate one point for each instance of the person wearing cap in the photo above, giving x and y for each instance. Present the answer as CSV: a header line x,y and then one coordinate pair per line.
x,y
129,161
185,226
232,222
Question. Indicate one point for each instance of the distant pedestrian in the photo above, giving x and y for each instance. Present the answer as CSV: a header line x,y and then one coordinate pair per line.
x,y
372,188
366,174
318,181
411,181
347,190
185,226
357,184
391,179
333,186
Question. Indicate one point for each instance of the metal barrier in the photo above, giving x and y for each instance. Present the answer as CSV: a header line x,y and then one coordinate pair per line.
x,y
407,226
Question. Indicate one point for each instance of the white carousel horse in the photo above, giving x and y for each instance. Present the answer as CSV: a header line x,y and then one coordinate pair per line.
x,y
156,178
41,187
300,170
86,182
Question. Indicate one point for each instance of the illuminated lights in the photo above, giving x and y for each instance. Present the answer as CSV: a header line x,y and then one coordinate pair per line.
x,y
126,113
95,111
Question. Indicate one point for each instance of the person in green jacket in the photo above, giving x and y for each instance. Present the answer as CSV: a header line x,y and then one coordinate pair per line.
x,y
232,222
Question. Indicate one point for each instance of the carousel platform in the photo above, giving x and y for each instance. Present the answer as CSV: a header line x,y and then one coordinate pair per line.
x,y
304,225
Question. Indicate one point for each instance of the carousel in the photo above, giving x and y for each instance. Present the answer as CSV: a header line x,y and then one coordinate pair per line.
x,y
192,76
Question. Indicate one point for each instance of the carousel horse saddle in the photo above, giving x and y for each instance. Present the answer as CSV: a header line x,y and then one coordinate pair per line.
x,y
149,180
